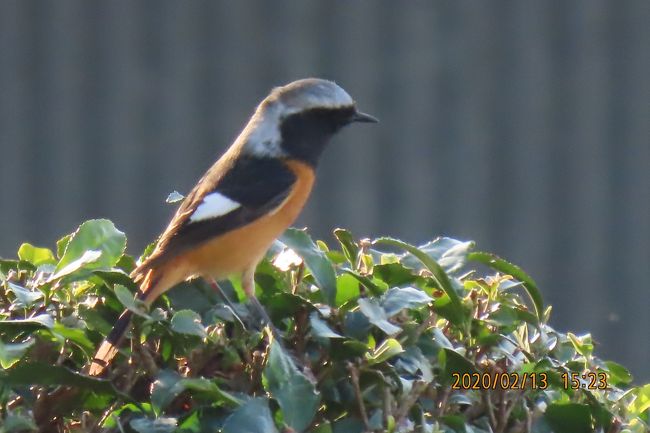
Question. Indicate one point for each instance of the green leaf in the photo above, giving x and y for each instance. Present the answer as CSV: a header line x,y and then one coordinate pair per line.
x,y
394,274
24,297
386,350
319,327
324,427
348,245
641,401
254,416
86,258
169,384
96,244
413,361
400,298
127,299
583,344
441,340
35,255
188,322
348,425
454,362
365,281
449,253
456,422
15,423
40,321
569,418
75,335
315,260
10,353
377,316
504,316
61,245
158,425
164,389
38,373
347,289
439,275
497,263
116,276
618,375
356,325
295,394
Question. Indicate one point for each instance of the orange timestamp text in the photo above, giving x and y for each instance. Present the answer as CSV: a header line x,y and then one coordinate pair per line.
x,y
588,380
482,381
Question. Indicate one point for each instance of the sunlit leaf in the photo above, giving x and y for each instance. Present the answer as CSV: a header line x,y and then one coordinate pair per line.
x,y
316,261
348,245
40,321
35,255
441,278
641,401
386,350
506,267
95,244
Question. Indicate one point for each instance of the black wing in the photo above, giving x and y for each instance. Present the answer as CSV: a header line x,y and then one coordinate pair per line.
x,y
259,185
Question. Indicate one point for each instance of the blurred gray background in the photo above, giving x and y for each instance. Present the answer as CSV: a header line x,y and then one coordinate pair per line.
x,y
523,125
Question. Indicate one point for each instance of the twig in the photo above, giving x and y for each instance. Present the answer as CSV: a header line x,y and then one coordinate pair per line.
x,y
147,361
388,407
442,401
490,408
104,417
616,426
62,354
297,277
354,375
512,405
412,397
426,324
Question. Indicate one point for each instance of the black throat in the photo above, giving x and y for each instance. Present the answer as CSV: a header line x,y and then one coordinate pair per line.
x,y
305,134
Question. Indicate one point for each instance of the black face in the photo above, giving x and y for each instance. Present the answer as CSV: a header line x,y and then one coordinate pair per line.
x,y
305,134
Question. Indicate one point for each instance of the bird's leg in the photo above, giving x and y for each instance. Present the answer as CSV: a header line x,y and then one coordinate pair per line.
x,y
227,300
248,285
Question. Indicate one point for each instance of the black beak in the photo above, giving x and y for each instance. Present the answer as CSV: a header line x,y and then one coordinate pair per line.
x,y
364,118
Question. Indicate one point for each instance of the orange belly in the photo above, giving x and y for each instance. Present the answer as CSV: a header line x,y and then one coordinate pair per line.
x,y
240,249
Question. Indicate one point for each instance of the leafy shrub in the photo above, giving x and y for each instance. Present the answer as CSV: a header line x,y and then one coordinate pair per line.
x,y
376,336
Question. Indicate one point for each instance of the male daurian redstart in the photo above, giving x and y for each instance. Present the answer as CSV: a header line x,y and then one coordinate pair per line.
x,y
246,199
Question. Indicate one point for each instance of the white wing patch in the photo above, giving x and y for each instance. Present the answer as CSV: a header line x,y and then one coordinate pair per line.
x,y
213,206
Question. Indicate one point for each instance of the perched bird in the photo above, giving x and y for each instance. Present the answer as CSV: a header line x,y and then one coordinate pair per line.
x,y
246,199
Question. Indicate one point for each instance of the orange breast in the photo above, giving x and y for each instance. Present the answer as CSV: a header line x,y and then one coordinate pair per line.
x,y
238,250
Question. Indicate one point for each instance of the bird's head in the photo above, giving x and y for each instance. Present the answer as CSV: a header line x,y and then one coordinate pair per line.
x,y
298,120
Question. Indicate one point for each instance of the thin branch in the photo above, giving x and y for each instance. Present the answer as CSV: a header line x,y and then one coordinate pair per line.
x,y
354,374
442,401
405,407
490,408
